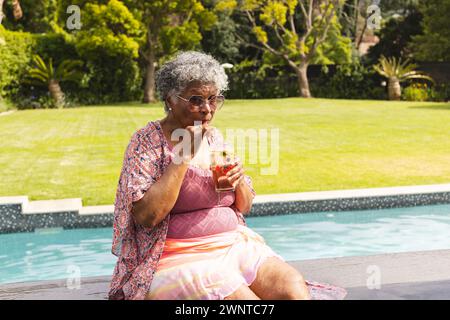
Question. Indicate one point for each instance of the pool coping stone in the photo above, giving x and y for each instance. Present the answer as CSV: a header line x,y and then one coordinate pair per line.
x,y
18,214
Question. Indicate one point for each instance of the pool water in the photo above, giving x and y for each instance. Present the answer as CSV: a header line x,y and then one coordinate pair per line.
x,y
57,254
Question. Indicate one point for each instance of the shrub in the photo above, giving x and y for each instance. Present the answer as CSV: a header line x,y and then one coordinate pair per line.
x,y
423,92
16,51
441,92
108,76
350,81
56,47
253,80
416,92
109,43
15,54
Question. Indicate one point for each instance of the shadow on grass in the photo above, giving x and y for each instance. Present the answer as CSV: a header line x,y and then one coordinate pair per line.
x,y
443,106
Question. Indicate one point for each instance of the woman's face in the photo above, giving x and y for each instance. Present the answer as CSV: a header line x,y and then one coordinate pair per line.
x,y
181,109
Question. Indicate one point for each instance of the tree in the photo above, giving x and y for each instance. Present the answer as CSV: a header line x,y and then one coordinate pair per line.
x,y
299,33
170,25
110,27
47,75
108,42
355,15
221,40
434,43
395,36
396,72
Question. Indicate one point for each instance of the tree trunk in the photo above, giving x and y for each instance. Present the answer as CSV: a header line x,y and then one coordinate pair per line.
x,y
1,10
362,35
303,83
56,93
394,89
17,10
149,89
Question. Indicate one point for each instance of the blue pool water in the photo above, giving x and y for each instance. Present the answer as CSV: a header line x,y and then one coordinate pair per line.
x,y
51,254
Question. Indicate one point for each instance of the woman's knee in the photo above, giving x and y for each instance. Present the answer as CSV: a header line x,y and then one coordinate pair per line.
x,y
296,289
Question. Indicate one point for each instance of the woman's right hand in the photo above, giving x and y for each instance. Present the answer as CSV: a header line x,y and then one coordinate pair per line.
x,y
194,136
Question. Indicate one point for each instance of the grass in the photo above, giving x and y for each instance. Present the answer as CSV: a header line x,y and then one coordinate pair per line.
x,y
324,145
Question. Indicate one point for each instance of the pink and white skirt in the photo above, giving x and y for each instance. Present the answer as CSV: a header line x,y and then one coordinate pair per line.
x,y
214,266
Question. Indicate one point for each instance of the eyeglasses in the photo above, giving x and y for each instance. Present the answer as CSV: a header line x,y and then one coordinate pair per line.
x,y
197,102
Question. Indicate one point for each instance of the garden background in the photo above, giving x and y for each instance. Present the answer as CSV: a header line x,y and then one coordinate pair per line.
x,y
78,89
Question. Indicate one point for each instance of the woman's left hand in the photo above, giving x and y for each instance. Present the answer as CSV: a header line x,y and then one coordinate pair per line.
x,y
236,175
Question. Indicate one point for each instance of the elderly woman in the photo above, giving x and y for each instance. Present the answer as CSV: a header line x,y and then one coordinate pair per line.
x,y
174,235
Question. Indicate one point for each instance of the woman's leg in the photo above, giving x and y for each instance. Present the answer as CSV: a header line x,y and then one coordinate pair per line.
x,y
277,280
242,293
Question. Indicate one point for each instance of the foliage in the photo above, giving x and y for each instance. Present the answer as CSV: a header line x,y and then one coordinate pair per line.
x,y
247,81
402,71
417,92
425,92
15,54
349,81
221,40
110,29
120,39
5,105
170,26
45,74
109,42
42,73
280,28
336,49
111,64
252,80
55,46
38,16
398,6
395,36
396,72
299,34
434,43
43,101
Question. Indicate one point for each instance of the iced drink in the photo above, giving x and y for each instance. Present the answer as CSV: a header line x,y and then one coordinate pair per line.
x,y
222,161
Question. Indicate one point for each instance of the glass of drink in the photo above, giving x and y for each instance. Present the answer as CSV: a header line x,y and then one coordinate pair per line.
x,y
222,161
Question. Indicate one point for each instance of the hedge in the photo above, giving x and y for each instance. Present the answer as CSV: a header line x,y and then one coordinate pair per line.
x,y
108,78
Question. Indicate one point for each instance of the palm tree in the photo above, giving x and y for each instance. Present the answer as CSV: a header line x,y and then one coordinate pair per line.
x,y
396,72
45,74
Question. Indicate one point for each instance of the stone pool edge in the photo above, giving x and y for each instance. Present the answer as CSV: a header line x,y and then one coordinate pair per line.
x,y
393,276
18,214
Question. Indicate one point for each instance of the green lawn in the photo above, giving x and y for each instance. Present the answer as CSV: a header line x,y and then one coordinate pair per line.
x,y
324,145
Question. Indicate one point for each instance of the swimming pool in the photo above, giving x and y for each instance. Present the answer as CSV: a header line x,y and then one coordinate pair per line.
x,y
55,253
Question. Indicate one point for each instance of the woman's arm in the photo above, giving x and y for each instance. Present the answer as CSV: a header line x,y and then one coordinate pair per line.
x,y
160,198
244,197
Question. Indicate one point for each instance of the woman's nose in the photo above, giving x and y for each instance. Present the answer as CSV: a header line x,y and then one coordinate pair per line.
x,y
206,107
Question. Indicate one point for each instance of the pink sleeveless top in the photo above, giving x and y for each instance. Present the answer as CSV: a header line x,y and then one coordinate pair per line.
x,y
199,209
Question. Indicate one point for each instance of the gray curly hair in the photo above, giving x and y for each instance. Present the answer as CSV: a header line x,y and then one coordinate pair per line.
x,y
187,67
